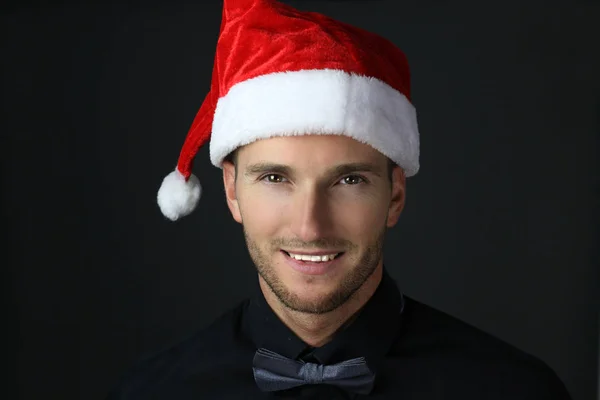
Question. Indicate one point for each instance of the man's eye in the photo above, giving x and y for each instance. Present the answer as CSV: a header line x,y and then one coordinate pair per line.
x,y
273,178
352,180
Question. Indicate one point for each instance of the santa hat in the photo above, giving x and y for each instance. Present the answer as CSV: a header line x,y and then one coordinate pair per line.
x,y
282,72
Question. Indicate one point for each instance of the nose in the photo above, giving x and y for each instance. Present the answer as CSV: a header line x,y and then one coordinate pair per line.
x,y
311,214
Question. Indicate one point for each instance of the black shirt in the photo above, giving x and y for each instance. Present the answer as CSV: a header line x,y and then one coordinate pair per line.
x,y
417,352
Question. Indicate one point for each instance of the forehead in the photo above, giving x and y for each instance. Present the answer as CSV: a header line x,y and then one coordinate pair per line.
x,y
313,149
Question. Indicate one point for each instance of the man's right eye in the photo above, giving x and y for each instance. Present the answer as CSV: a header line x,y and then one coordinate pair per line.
x,y
273,178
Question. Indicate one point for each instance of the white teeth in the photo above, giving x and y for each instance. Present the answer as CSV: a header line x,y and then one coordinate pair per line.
x,y
306,257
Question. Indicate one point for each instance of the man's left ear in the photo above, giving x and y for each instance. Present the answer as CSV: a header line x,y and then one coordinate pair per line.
x,y
398,196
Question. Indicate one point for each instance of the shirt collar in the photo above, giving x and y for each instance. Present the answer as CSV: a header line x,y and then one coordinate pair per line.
x,y
370,335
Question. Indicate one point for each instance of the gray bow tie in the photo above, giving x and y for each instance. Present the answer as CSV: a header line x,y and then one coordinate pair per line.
x,y
274,372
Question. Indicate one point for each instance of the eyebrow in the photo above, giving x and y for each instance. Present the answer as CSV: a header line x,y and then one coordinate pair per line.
x,y
345,169
264,167
342,169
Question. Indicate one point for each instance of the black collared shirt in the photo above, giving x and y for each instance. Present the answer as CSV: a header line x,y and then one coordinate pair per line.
x,y
416,352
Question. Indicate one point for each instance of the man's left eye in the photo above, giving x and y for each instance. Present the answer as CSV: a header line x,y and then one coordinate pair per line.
x,y
352,180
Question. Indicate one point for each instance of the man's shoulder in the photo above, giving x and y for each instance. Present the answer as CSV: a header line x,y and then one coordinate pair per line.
x,y
425,327
184,357
461,349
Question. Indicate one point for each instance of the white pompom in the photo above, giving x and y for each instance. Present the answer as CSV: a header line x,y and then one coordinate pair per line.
x,y
178,198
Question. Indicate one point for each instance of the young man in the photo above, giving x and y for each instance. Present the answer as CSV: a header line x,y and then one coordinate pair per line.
x,y
311,121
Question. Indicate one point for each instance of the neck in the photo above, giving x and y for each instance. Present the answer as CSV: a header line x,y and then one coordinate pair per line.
x,y
319,329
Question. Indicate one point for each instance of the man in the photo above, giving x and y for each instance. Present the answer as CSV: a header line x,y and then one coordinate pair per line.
x,y
311,122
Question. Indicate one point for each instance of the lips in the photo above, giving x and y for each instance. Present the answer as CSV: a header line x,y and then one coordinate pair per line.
x,y
310,267
321,256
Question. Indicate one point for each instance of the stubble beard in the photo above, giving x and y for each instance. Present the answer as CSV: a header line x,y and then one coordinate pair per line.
x,y
363,267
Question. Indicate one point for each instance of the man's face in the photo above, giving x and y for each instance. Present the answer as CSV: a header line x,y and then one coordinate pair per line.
x,y
313,195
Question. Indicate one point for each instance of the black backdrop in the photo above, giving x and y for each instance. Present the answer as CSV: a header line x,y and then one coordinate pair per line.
x,y
500,226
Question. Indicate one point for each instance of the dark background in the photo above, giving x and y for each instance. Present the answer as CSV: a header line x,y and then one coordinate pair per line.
x,y
500,227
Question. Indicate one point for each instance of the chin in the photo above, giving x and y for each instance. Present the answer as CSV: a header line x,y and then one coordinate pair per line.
x,y
311,288
305,283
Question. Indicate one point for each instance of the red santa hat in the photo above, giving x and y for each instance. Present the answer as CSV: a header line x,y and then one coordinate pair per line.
x,y
279,71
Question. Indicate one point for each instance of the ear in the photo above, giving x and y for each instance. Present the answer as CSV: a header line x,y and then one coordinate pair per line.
x,y
230,190
398,196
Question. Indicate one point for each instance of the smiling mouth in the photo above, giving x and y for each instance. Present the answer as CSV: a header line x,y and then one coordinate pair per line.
x,y
313,258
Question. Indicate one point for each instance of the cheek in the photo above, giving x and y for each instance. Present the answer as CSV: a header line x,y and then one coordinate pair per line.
x,y
359,215
262,214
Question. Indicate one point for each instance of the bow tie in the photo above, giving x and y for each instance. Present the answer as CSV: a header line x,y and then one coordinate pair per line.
x,y
274,372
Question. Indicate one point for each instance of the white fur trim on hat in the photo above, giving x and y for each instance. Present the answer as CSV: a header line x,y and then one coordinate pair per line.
x,y
317,102
178,197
